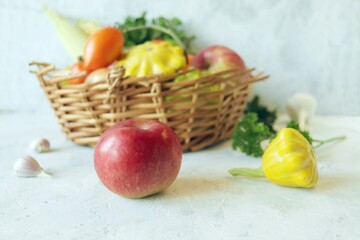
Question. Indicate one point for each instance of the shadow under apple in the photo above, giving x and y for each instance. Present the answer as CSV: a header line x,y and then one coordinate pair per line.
x,y
188,186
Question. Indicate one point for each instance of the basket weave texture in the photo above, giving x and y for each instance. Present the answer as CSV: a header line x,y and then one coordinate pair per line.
x,y
201,111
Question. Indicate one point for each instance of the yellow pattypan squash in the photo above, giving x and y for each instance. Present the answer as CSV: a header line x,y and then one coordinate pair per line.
x,y
154,57
289,161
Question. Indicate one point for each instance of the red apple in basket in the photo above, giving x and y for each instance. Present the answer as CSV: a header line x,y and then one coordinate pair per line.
x,y
218,58
138,158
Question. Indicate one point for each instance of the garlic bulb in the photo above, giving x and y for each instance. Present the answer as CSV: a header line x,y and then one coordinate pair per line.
x,y
40,145
27,167
301,107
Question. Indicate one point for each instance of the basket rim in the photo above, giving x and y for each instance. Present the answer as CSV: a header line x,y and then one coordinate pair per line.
x,y
45,68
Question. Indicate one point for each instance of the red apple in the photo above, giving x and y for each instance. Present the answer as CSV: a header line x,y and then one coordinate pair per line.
x,y
138,158
218,58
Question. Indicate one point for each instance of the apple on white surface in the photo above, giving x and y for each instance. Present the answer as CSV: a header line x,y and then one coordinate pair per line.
x,y
218,58
137,158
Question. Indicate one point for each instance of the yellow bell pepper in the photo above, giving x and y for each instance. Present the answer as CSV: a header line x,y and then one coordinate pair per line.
x,y
289,161
154,57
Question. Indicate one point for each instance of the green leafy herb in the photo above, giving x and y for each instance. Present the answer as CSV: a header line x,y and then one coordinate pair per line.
x,y
248,135
138,30
295,125
264,115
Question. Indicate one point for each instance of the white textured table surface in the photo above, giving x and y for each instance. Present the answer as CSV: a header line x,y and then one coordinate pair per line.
x,y
203,203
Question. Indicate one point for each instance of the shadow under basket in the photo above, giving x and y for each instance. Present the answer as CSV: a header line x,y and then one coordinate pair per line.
x,y
201,111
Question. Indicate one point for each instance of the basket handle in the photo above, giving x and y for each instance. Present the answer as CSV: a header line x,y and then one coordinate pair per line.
x,y
114,79
57,75
43,67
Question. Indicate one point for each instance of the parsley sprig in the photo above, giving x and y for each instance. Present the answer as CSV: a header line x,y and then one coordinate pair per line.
x,y
264,114
140,29
248,135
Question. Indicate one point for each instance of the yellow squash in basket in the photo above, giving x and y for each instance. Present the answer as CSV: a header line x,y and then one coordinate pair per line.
x,y
154,57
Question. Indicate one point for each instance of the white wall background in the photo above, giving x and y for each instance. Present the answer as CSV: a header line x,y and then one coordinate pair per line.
x,y
305,45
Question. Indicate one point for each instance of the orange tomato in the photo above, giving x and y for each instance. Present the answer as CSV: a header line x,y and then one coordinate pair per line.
x,y
102,48
76,68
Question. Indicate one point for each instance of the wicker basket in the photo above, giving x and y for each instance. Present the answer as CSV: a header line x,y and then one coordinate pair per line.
x,y
200,117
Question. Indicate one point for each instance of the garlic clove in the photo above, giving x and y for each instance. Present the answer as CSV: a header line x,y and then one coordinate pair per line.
x,y
40,145
27,167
